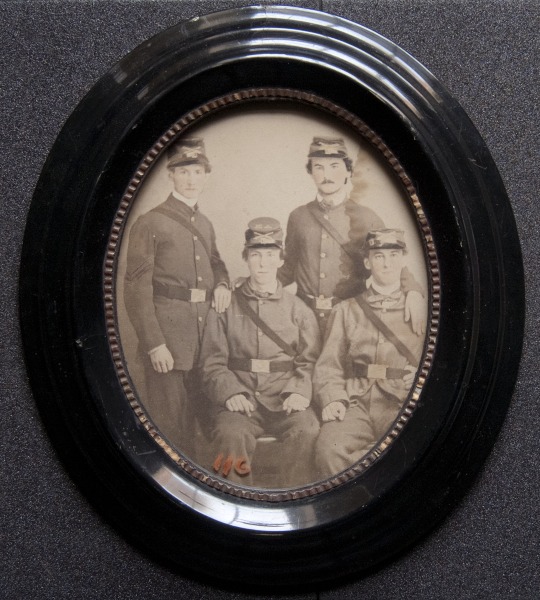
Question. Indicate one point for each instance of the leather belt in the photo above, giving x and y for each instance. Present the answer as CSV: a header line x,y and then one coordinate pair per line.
x,y
377,372
319,302
177,292
257,365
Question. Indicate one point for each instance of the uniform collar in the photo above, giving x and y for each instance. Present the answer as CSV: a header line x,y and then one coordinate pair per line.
x,y
248,291
329,205
190,202
377,291
180,206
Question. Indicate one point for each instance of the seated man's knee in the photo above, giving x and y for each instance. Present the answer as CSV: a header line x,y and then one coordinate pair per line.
x,y
231,423
306,424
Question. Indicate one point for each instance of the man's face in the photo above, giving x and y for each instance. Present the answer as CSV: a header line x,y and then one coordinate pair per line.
x,y
329,174
263,264
385,265
188,180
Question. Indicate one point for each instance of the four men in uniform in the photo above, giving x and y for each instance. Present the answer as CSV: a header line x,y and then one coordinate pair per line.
x,y
259,351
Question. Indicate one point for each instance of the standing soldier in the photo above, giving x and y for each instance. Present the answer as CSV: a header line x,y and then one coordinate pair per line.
x,y
174,272
256,362
318,235
368,362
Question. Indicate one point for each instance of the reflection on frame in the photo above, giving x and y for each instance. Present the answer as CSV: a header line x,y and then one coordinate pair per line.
x,y
271,296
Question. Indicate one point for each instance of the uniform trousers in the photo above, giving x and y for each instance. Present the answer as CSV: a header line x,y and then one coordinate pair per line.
x,y
235,437
167,405
342,443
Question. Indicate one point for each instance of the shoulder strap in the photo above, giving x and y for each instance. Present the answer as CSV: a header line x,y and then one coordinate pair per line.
x,y
316,214
244,305
186,224
386,331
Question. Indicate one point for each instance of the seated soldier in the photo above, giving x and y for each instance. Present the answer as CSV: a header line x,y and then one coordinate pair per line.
x,y
368,362
256,364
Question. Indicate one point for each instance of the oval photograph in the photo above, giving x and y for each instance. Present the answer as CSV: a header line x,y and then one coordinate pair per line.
x,y
272,295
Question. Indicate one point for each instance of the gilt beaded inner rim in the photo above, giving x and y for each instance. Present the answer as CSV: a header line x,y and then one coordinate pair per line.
x,y
270,95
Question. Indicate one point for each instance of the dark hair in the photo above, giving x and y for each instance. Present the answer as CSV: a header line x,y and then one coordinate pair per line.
x,y
348,163
247,248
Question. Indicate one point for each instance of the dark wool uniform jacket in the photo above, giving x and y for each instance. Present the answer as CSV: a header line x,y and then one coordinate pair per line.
x,y
233,334
162,250
313,259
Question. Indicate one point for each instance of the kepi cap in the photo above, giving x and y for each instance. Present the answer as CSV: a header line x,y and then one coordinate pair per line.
x,y
264,231
189,151
328,147
385,238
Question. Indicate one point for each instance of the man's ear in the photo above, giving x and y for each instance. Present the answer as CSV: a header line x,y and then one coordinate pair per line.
x,y
366,264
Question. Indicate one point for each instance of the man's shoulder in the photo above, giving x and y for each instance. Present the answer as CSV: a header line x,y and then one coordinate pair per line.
x,y
155,213
301,211
359,211
345,306
349,309
167,212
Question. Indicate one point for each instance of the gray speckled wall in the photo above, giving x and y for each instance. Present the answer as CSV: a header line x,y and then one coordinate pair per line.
x,y
52,544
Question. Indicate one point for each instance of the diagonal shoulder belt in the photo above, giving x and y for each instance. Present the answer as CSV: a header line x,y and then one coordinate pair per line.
x,y
386,331
244,305
316,214
186,224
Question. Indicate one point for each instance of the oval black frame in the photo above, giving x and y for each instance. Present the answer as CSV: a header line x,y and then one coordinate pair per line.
x,y
475,362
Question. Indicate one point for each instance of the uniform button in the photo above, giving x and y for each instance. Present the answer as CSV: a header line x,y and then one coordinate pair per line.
x,y
261,301
323,254
199,278
257,394
259,332
192,219
326,217
381,340
321,315
195,238
197,257
324,236
200,319
383,310
322,275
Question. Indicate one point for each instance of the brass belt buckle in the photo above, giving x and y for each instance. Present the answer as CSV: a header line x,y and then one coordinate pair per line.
x,y
376,371
197,295
260,366
323,303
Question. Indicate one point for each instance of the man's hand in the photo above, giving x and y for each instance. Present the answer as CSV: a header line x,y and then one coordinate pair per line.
x,y
335,411
161,359
221,298
416,311
239,403
295,402
409,377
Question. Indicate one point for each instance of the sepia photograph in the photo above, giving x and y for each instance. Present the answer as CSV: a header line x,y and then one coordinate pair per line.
x,y
272,296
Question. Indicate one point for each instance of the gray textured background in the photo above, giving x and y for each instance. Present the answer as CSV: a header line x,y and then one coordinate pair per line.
x,y
52,544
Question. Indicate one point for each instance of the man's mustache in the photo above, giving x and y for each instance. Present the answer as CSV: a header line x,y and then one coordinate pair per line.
x,y
327,181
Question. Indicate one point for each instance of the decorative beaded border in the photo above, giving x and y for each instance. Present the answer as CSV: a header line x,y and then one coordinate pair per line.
x,y
178,128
